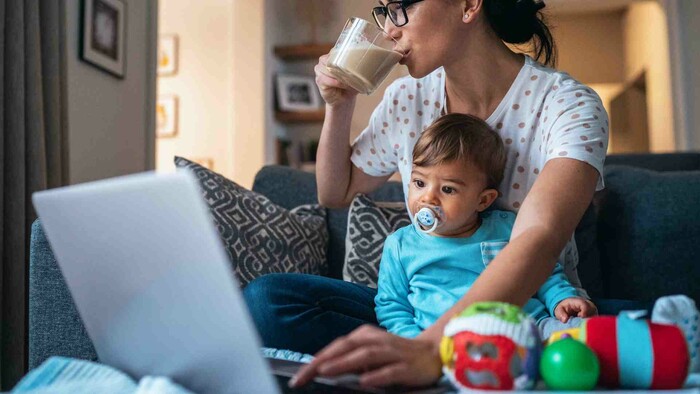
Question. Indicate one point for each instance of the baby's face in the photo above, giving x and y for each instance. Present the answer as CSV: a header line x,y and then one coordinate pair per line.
x,y
456,188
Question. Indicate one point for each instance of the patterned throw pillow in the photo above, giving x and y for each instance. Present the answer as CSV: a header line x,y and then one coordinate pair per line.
x,y
369,223
261,237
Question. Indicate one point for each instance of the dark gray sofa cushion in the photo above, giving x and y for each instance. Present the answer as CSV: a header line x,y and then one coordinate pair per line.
x,y
681,161
648,233
586,236
288,188
55,328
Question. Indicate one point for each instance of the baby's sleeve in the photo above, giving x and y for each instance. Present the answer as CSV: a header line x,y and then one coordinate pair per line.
x,y
394,311
556,289
374,151
579,127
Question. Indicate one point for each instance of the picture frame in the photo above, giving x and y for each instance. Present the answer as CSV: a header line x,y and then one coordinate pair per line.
x,y
167,55
103,37
167,116
297,93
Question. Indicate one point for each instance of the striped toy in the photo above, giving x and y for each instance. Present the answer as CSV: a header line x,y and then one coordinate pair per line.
x,y
635,353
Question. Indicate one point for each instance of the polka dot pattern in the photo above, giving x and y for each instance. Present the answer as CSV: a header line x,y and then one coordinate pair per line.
x,y
545,115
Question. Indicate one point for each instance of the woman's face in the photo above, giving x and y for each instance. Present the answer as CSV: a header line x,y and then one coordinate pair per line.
x,y
431,36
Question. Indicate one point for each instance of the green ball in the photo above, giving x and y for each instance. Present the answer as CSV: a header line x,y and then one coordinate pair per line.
x,y
568,364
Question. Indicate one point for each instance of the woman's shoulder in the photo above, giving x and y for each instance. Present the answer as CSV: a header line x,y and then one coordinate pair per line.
x,y
556,83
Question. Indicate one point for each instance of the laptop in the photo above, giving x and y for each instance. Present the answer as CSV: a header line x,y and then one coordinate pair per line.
x,y
153,286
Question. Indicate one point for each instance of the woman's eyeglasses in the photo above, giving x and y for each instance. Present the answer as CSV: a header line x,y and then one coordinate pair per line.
x,y
395,10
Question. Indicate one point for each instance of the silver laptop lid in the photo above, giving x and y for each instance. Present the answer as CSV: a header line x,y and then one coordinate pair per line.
x,y
152,283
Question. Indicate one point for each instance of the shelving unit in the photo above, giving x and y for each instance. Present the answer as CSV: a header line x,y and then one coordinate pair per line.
x,y
300,117
302,52
294,155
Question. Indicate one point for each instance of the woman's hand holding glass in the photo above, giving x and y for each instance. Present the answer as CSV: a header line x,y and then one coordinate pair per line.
x,y
381,359
333,92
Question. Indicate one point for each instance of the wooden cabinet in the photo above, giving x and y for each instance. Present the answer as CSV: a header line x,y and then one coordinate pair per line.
x,y
294,53
300,117
302,52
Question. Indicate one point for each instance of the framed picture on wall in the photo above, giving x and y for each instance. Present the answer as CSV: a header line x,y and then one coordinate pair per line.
x,y
166,116
103,35
297,93
167,55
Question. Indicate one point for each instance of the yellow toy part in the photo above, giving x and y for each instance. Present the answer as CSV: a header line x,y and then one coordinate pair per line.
x,y
574,333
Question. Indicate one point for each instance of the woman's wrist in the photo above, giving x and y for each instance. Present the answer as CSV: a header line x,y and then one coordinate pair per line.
x,y
342,105
432,336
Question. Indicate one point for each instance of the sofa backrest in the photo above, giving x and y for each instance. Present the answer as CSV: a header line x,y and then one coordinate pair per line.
x,y
616,259
599,249
289,188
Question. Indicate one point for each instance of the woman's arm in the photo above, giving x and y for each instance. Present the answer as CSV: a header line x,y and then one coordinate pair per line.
x,y
547,219
337,178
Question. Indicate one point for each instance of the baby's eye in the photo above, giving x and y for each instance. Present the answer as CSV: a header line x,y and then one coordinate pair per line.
x,y
418,183
448,190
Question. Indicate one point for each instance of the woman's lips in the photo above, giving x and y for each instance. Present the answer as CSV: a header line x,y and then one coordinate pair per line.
x,y
405,56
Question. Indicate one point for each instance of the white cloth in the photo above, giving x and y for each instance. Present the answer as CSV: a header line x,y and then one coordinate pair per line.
x,y
681,311
59,375
545,115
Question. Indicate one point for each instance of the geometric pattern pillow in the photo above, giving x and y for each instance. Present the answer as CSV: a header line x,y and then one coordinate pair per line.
x,y
369,223
261,237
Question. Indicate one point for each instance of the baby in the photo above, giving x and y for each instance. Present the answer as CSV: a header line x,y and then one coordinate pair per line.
x,y
458,163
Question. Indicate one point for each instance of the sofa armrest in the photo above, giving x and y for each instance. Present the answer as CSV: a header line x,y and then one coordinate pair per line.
x,y
55,328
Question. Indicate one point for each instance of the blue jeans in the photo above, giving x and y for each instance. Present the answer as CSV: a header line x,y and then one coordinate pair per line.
x,y
304,313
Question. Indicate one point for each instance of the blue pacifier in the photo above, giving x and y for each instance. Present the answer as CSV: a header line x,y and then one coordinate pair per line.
x,y
427,219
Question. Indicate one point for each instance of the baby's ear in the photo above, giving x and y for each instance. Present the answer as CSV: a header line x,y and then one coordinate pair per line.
x,y
487,198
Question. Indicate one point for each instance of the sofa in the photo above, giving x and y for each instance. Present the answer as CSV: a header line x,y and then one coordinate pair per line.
x,y
638,240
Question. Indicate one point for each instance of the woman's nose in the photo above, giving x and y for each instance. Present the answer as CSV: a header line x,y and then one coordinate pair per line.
x,y
391,30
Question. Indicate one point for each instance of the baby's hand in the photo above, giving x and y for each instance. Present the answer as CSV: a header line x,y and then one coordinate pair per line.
x,y
574,307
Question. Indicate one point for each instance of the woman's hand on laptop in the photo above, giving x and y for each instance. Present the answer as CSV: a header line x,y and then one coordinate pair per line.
x,y
381,359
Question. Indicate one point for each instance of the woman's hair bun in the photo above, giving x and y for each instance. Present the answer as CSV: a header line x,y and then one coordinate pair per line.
x,y
518,22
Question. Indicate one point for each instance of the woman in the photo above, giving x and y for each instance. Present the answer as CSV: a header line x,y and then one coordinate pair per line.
x,y
555,131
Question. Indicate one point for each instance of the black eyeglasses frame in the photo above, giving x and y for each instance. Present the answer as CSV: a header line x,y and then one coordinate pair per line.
x,y
383,10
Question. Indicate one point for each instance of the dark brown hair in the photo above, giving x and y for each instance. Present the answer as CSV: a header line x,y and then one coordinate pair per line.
x,y
459,137
522,21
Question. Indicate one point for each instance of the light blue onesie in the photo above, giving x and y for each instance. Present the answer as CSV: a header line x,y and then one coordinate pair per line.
x,y
421,276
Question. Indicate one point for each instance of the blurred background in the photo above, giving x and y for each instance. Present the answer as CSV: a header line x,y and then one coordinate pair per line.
x,y
229,116
229,84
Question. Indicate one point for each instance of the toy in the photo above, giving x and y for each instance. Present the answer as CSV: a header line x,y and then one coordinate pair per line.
x,y
492,346
568,364
634,353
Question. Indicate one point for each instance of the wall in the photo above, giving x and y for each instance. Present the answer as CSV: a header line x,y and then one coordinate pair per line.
x,y
645,35
585,41
202,83
590,46
288,24
248,86
110,120
684,31
593,47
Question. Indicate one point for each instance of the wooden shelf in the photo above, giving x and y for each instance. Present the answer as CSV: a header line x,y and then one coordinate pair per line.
x,y
302,52
300,117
